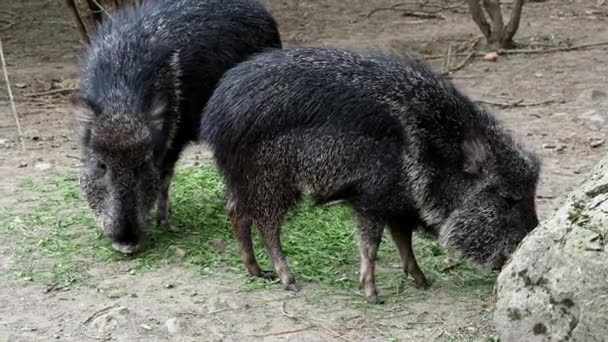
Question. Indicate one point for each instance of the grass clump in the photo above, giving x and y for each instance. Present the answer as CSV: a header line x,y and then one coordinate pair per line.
x,y
58,240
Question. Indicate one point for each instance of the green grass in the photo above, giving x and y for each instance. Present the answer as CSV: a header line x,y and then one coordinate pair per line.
x,y
58,241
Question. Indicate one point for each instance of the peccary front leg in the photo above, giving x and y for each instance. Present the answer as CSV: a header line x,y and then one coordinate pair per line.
x,y
270,233
402,236
370,236
163,204
241,225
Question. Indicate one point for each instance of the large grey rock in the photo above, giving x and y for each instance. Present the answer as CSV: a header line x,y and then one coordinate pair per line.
x,y
555,288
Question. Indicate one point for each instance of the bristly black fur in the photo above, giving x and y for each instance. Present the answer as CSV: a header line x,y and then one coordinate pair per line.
x,y
383,133
145,79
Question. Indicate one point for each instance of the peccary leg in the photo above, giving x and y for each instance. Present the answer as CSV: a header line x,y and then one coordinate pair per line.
x,y
402,237
163,204
241,225
370,236
270,233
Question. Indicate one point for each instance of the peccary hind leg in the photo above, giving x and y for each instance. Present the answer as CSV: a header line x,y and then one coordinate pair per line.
x,y
370,236
270,232
402,236
241,225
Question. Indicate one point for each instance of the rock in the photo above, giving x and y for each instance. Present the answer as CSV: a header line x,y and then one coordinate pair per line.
x,y
595,116
593,95
174,325
218,244
490,57
178,252
554,286
596,143
42,166
549,146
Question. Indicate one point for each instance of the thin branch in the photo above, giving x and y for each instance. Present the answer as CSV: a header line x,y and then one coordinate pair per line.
x,y
407,13
479,18
10,96
9,24
81,27
513,23
283,332
461,64
518,103
446,65
99,313
50,92
558,49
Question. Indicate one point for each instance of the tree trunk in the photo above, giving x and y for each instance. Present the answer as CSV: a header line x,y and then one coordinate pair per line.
x,y
497,34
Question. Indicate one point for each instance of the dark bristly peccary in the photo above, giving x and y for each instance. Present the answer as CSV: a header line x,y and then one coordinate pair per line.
x,y
145,79
400,145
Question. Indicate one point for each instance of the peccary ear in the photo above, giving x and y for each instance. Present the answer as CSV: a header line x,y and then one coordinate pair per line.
x,y
475,153
85,111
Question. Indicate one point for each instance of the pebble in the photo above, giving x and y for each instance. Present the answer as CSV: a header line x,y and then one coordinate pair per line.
x,y
173,325
596,143
42,166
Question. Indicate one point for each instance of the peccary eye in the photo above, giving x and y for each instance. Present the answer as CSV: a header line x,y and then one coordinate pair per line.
x,y
101,166
511,200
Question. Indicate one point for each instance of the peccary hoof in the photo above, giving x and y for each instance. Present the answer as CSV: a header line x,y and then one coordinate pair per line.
x,y
424,284
124,248
374,299
293,287
268,275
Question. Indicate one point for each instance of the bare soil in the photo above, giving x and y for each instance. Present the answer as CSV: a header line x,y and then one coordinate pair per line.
x,y
41,50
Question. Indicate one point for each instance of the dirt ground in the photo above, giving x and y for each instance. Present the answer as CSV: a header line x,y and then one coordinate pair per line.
x,y
567,129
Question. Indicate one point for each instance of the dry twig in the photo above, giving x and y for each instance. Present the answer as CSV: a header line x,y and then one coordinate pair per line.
x,y
50,92
99,313
10,96
407,13
518,103
287,332
550,50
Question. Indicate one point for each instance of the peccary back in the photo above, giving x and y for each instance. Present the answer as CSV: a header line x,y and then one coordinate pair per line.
x,y
402,146
146,77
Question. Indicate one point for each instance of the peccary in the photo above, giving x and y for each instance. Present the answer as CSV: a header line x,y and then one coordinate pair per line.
x,y
145,79
400,145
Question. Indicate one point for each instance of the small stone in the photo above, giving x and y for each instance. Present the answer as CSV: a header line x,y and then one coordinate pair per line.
x,y
538,75
594,115
146,327
42,166
173,325
218,244
169,286
593,95
490,57
560,148
132,272
22,165
20,85
56,336
596,143
178,252
549,146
